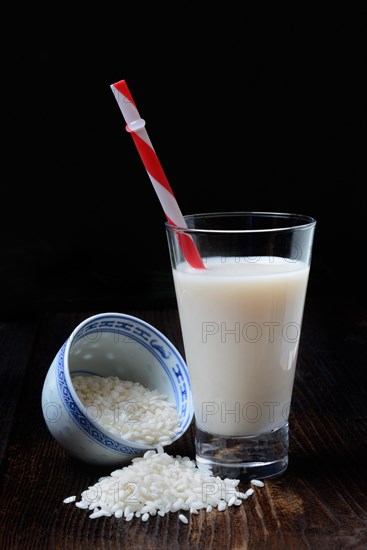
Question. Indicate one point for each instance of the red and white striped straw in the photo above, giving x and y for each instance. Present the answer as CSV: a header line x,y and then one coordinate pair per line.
x,y
136,127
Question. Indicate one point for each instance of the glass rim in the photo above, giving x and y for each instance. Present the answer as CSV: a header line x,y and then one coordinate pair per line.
x,y
305,222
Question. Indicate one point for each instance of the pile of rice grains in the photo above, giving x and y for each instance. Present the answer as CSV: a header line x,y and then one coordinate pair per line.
x,y
155,483
128,409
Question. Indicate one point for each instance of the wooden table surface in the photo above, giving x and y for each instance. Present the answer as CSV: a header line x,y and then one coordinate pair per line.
x,y
320,502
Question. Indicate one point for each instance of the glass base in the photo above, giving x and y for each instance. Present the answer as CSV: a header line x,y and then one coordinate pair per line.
x,y
249,457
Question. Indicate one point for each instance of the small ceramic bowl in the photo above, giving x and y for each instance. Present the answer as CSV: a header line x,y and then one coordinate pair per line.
x,y
111,344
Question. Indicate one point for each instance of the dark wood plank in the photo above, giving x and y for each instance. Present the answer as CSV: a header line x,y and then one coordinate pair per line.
x,y
320,502
16,341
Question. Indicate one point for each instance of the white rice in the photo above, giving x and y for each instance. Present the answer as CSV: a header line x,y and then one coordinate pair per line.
x,y
69,499
157,484
128,409
257,482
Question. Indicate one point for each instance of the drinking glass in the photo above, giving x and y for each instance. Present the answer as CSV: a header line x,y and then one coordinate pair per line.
x,y
241,319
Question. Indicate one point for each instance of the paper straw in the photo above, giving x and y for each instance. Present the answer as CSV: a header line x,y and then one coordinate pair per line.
x,y
135,125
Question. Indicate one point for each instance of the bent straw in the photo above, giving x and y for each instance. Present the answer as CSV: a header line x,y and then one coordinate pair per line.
x,y
136,127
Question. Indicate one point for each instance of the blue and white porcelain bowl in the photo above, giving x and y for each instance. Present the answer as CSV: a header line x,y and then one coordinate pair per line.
x,y
111,344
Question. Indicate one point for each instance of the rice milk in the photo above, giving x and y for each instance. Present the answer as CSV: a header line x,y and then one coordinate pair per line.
x,y
241,321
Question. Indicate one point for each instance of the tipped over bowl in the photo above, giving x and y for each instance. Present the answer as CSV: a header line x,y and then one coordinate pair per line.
x,y
114,346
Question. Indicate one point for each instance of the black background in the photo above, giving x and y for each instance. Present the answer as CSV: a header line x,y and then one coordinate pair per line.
x,y
245,113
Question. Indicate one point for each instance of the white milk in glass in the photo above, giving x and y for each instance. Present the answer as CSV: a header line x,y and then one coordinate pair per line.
x,y
241,322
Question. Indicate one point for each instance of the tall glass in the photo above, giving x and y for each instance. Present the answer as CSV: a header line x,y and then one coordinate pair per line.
x,y
241,319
